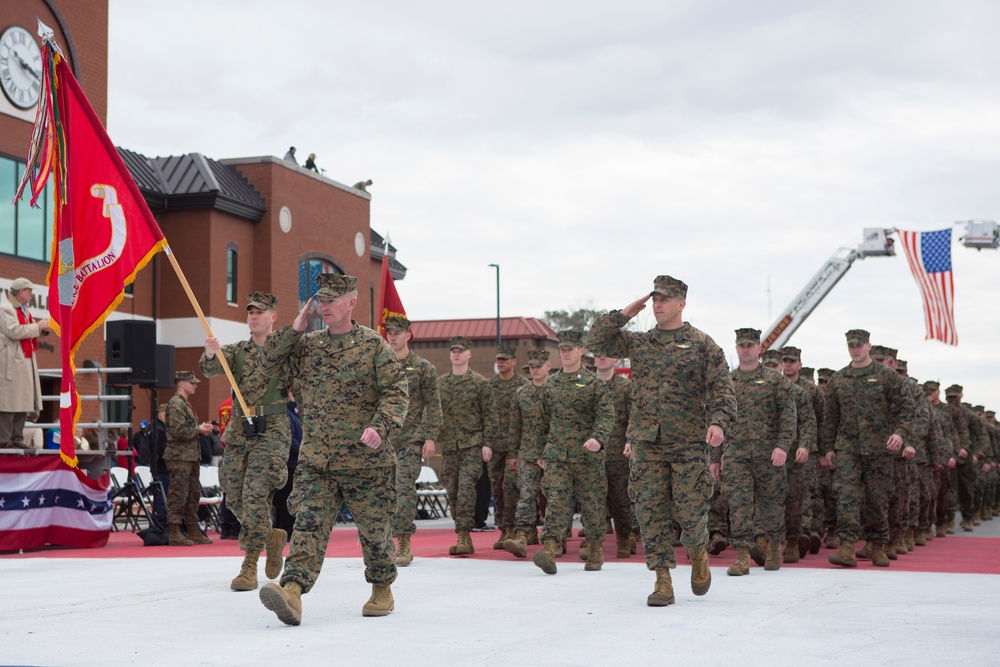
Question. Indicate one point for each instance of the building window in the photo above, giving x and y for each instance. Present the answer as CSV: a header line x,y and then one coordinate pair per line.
x,y
309,270
24,231
231,258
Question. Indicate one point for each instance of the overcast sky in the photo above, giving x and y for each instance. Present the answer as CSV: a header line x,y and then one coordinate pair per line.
x,y
586,147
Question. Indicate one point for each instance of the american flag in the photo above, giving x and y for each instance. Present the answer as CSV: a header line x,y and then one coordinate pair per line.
x,y
929,255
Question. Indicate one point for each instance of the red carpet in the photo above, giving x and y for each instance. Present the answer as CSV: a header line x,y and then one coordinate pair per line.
x,y
953,554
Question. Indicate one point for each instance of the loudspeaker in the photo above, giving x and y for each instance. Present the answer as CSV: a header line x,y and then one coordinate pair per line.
x,y
131,343
165,366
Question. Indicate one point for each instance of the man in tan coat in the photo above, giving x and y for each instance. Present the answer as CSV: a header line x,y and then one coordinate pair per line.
x,y
20,391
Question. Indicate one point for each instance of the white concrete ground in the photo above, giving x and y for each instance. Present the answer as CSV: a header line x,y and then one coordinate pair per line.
x,y
179,611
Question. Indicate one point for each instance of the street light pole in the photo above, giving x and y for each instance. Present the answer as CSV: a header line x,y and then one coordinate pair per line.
x,y
497,267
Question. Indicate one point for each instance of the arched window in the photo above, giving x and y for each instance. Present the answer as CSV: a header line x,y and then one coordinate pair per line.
x,y
231,287
309,269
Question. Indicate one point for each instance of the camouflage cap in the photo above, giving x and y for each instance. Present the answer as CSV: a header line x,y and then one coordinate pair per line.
x,y
966,404
570,338
461,342
261,300
506,351
332,285
747,335
857,336
931,386
397,323
793,353
891,352
824,374
186,376
772,355
901,364
807,372
991,413
979,408
668,286
953,390
537,357
878,352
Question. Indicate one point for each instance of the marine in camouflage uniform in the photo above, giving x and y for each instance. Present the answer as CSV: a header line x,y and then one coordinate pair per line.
x,y
468,430
990,419
682,403
503,475
527,433
416,440
918,468
825,491
800,469
987,469
868,415
965,469
578,415
752,460
183,459
812,508
616,463
254,466
943,511
351,393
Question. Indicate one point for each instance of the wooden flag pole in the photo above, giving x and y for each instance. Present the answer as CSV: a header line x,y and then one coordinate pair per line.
x,y
248,415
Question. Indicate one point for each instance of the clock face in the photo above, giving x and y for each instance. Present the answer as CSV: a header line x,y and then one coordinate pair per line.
x,y
20,67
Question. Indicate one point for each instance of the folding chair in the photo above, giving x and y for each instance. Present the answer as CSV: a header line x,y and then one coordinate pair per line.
x,y
211,496
431,496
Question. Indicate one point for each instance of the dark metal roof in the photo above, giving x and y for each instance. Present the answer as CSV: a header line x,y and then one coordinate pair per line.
x,y
193,181
377,248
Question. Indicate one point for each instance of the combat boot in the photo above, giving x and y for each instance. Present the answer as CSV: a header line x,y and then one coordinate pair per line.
x,y
987,514
633,537
966,525
894,549
623,548
701,575
791,553
803,543
865,553
814,543
595,558
717,544
380,603
773,561
939,530
505,533
920,538
949,525
518,543
663,592
879,556
845,557
742,564
274,544
758,551
285,601
176,537
909,541
194,533
546,558
533,536
464,546
584,551
831,540
975,518
403,555
246,580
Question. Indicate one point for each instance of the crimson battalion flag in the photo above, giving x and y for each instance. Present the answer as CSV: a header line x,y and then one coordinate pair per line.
x,y
389,303
103,231
929,256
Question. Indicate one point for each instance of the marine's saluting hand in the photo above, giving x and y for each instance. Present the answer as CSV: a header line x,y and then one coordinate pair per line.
x,y
635,307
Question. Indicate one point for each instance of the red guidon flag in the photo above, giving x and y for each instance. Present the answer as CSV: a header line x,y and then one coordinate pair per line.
x,y
103,232
389,304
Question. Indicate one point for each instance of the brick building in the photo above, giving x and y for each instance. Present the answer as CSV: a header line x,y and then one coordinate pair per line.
x,y
234,225
430,340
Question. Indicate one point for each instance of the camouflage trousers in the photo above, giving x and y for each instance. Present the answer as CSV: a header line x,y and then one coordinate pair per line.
x,y
619,504
409,459
184,492
868,480
928,493
718,511
965,473
824,517
249,474
460,472
529,482
756,490
503,481
985,483
800,489
912,518
370,494
670,487
943,504
899,500
564,481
